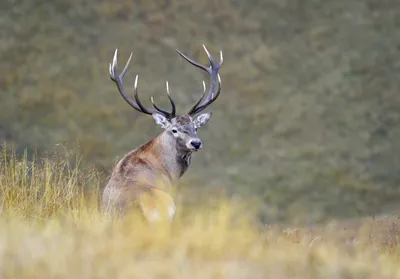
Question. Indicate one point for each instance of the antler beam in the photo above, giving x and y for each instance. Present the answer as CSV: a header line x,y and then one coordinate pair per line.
x,y
212,70
117,78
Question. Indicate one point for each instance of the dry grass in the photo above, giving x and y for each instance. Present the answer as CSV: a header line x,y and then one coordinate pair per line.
x,y
309,114
51,227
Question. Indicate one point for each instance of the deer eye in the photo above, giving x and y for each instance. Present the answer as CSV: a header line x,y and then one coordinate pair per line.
x,y
174,131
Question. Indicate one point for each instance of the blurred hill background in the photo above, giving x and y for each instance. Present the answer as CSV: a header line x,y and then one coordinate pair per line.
x,y
307,124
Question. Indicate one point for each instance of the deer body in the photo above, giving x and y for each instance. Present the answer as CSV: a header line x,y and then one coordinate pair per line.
x,y
155,166
144,176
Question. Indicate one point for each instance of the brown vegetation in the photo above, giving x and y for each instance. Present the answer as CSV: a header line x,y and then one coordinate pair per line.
x,y
308,124
51,227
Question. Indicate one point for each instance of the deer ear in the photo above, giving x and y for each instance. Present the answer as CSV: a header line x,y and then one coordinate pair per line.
x,y
202,119
161,120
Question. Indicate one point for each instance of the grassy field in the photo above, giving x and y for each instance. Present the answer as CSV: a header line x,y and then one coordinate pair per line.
x,y
51,227
300,172
307,123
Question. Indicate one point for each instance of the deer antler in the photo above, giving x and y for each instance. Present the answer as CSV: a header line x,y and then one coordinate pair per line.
x,y
117,78
212,70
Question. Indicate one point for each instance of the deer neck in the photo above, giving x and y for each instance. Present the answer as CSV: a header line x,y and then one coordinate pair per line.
x,y
176,160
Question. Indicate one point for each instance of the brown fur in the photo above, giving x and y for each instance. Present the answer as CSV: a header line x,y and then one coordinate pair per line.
x,y
150,169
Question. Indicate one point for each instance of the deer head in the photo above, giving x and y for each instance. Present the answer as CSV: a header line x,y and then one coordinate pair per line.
x,y
180,128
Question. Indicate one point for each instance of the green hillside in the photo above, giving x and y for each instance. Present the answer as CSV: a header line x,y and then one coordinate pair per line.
x,y
307,124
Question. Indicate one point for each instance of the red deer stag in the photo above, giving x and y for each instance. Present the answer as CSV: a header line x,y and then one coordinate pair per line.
x,y
143,177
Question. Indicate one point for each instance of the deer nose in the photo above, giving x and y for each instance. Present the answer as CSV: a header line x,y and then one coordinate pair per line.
x,y
196,144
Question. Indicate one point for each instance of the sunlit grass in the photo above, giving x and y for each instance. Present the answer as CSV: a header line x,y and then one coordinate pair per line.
x,y
51,226
45,187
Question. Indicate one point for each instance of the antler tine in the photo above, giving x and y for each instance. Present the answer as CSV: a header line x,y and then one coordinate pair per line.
x,y
212,70
117,78
169,114
142,108
212,99
173,112
191,112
